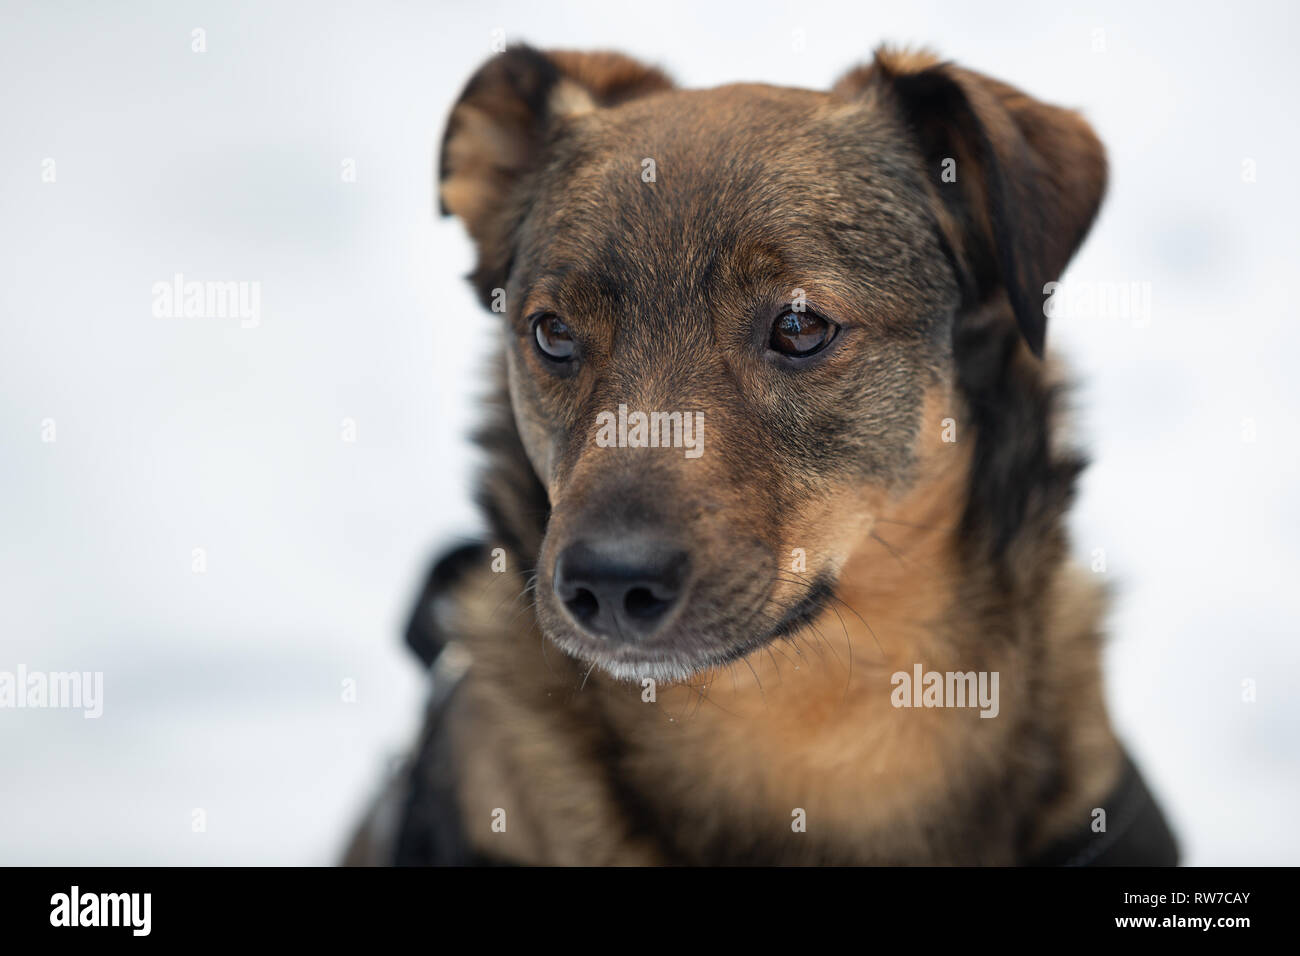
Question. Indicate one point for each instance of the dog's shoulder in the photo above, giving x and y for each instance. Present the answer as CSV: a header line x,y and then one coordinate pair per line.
x,y
507,766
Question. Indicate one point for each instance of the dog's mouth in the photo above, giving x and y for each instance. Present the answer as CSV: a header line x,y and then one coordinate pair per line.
x,y
699,635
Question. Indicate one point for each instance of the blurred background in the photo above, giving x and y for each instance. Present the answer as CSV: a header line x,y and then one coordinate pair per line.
x,y
230,522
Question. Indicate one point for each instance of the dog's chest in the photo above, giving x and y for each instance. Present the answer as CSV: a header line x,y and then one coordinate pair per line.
x,y
809,772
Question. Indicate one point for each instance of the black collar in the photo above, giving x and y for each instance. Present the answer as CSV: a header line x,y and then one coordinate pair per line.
x,y
1136,833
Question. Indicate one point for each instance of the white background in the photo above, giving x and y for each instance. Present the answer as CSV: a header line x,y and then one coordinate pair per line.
x,y
223,690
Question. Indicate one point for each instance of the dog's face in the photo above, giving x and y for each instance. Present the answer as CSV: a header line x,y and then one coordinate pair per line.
x,y
730,315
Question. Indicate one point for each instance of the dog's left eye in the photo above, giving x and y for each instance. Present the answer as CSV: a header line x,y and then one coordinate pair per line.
x,y
798,334
554,339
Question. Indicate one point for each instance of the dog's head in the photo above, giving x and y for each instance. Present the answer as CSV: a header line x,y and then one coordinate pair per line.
x,y
728,313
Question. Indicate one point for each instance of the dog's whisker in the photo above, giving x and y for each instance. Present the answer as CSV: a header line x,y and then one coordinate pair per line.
x,y
890,548
778,650
913,524
585,676
530,605
852,610
776,667
507,600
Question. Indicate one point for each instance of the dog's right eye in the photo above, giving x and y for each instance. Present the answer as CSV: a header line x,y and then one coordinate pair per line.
x,y
554,339
801,334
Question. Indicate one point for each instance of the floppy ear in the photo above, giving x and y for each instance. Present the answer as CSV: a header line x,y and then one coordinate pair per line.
x,y
498,130
1029,177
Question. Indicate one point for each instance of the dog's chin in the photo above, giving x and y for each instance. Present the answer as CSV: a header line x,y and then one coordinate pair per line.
x,y
679,657
662,662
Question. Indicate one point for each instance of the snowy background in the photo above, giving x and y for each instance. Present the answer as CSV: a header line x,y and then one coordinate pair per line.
x,y
223,689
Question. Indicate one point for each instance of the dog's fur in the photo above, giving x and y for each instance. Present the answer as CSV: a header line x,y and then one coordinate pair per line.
x,y
773,691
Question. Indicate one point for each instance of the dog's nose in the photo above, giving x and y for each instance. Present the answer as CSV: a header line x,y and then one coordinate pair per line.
x,y
620,587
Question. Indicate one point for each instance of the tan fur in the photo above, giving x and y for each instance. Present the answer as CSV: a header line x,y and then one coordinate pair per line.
x,y
806,725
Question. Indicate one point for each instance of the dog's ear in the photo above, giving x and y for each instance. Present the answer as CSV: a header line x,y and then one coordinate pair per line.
x,y
498,130
1018,181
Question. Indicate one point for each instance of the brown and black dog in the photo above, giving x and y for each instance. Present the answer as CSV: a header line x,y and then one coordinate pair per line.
x,y
809,327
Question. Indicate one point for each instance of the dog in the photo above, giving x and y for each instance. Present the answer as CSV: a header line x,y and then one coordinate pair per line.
x,y
775,568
